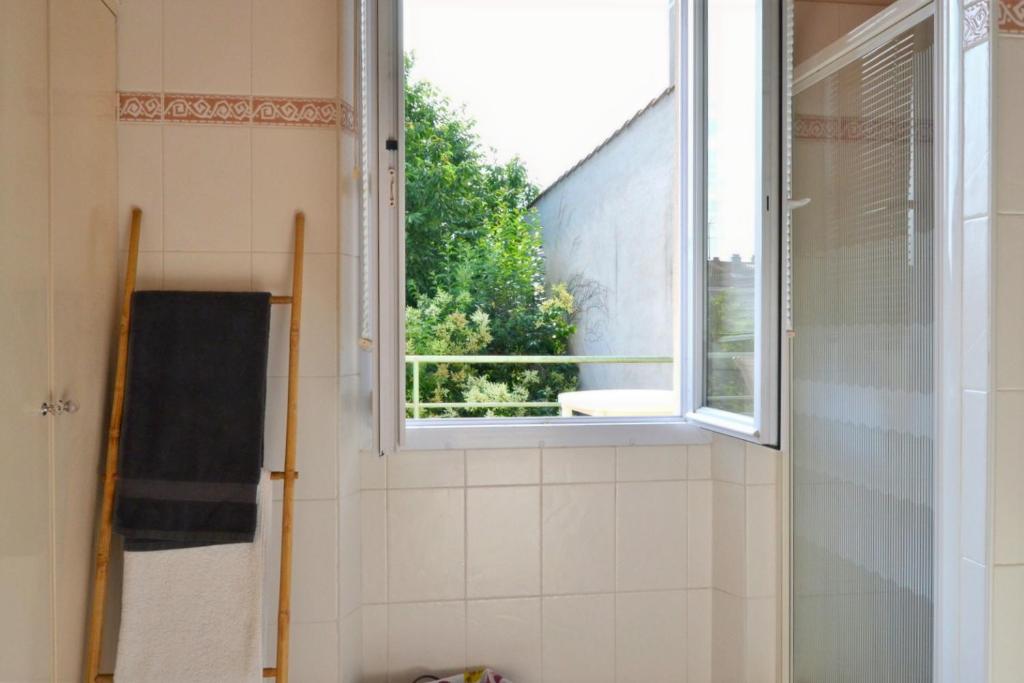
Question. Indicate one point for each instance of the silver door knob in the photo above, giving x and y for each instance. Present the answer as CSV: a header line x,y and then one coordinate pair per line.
x,y
58,407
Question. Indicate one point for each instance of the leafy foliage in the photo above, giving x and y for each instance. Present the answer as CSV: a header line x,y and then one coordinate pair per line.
x,y
475,265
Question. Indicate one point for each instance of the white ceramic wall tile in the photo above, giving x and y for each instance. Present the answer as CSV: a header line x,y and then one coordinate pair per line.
x,y
698,534
208,46
977,276
698,461
974,476
350,190
503,541
295,47
350,556
349,457
140,46
314,652
496,467
761,464
426,638
350,648
728,616
426,544
426,469
207,188
650,536
651,463
579,638
375,643
314,562
373,471
295,169
374,546
140,183
728,537
505,635
1008,104
578,538
193,270
149,272
650,636
761,554
578,465
973,621
698,636
348,325
317,442
977,131
728,459
1009,313
760,637
318,342
1008,475
1007,623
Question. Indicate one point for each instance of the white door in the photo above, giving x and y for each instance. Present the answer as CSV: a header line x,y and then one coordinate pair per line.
x,y
58,296
26,643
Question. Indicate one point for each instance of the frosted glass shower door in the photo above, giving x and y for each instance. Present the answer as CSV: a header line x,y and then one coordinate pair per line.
x,y
862,383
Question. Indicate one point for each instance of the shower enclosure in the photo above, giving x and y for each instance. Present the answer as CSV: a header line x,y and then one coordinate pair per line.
x,y
862,362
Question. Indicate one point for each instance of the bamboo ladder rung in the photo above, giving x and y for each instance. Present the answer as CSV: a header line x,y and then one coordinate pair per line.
x,y
289,474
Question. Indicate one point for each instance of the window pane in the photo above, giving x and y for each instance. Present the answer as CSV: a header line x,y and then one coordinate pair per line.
x,y
541,220
733,202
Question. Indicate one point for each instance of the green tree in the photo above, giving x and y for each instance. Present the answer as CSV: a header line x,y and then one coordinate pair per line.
x,y
475,263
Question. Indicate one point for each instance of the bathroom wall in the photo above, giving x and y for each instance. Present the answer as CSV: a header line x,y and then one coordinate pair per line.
x,y
600,561
746,552
581,564
233,115
603,564
1006,392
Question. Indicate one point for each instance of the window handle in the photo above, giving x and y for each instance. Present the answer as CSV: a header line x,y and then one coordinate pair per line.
x,y
794,204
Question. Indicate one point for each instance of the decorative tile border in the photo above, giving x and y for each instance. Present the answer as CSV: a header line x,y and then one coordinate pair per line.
x,y
1011,16
234,110
855,129
186,108
293,112
140,106
977,21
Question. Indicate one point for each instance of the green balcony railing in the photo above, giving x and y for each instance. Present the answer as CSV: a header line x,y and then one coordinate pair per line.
x,y
416,406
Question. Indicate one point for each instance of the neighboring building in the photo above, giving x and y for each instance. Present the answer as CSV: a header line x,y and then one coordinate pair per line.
x,y
610,231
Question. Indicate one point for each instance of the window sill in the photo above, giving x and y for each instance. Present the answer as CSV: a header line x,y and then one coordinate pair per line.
x,y
462,434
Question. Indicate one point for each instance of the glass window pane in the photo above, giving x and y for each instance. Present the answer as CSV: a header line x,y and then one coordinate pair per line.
x,y
541,213
733,200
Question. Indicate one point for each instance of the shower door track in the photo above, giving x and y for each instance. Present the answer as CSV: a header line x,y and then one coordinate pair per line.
x,y
872,34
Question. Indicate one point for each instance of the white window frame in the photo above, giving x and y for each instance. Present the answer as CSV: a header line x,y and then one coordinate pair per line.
x,y
763,426
383,65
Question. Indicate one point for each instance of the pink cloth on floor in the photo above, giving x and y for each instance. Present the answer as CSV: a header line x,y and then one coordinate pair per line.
x,y
476,676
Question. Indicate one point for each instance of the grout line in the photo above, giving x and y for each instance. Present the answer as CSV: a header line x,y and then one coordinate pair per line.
x,y
541,576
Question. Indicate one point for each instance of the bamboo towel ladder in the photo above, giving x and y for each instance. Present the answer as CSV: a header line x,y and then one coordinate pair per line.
x,y
289,474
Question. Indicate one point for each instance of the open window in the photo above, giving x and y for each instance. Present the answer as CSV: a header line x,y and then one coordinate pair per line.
x,y
536,263
736,230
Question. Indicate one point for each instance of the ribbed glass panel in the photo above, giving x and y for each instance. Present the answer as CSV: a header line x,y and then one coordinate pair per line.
x,y
862,389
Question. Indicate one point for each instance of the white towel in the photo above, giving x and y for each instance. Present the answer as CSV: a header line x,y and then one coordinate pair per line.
x,y
195,614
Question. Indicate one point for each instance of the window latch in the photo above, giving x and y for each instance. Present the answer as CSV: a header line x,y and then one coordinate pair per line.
x,y
392,187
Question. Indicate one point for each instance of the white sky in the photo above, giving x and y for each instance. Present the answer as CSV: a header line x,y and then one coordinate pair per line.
x,y
545,79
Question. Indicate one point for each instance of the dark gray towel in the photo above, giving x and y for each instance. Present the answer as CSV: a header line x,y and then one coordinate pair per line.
x,y
192,433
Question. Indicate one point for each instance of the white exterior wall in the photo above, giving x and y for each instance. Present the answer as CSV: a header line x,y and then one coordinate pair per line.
x,y
612,220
